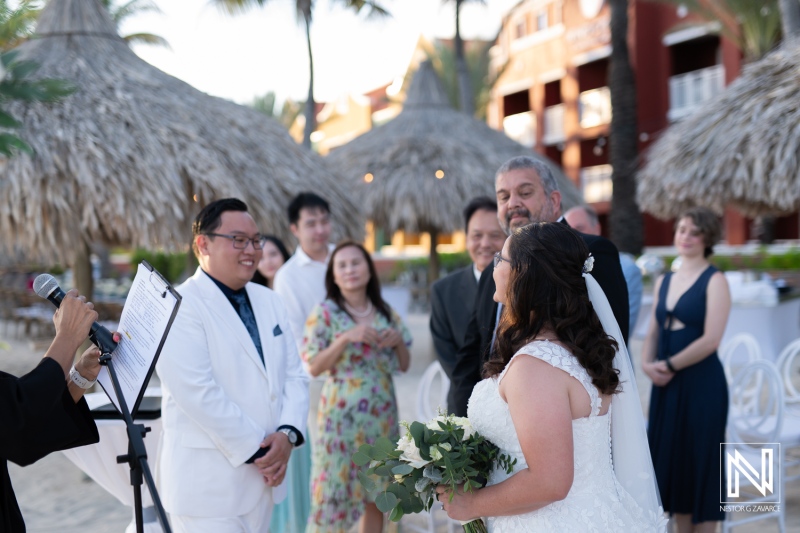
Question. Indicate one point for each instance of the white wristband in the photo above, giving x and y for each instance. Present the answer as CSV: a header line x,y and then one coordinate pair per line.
x,y
79,380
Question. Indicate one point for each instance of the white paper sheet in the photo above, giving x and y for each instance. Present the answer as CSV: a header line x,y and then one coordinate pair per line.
x,y
144,321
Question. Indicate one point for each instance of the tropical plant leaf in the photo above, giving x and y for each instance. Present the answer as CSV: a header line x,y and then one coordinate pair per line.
x,y
7,121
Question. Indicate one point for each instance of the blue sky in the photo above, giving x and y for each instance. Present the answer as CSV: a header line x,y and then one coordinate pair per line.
x,y
239,57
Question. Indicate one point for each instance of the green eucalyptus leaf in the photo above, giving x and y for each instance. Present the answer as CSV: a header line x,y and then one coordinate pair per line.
x,y
367,482
402,469
417,431
385,501
396,514
385,444
384,470
361,459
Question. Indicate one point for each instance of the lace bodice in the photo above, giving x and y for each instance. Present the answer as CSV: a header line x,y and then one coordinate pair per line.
x,y
596,501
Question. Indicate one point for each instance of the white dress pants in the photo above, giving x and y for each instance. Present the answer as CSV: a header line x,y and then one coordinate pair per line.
x,y
256,521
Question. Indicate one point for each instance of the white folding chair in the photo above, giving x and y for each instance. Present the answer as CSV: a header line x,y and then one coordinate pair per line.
x,y
740,350
426,410
789,369
751,424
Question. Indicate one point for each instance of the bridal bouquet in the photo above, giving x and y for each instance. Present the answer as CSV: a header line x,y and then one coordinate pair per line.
x,y
443,451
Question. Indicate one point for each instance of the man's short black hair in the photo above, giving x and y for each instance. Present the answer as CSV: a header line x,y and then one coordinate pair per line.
x,y
209,218
306,200
478,204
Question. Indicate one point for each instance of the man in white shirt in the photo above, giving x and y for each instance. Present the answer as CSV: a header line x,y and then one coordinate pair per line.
x,y
301,280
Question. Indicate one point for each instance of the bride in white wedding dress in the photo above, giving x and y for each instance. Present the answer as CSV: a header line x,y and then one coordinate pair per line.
x,y
559,396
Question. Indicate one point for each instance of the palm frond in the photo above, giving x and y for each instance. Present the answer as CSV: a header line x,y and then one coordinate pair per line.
x,y
237,7
132,7
146,38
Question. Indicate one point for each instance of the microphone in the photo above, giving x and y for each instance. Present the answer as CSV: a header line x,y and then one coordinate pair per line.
x,y
47,287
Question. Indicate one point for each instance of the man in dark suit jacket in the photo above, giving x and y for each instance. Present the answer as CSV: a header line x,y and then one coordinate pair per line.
x,y
526,192
453,297
44,410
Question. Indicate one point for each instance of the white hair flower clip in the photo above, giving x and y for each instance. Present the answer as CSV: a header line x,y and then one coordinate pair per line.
x,y
588,265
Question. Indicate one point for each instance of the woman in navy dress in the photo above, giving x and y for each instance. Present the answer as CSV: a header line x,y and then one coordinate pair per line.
x,y
689,400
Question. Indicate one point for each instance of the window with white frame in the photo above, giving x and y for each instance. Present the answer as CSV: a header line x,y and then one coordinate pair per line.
x,y
521,29
541,19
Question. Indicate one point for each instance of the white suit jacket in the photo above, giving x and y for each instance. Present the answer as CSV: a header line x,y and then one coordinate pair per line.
x,y
220,400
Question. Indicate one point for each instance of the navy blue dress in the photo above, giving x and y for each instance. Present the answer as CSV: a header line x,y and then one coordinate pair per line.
x,y
688,415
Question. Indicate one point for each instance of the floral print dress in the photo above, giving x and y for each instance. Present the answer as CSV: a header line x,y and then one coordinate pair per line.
x,y
357,405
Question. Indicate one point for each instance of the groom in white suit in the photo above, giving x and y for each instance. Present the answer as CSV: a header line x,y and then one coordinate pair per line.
x,y
235,396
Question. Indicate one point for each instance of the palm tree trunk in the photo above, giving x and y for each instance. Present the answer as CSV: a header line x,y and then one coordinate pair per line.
x,y
82,271
311,116
433,262
790,19
466,99
626,220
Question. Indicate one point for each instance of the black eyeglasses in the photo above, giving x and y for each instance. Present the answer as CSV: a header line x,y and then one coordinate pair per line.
x,y
499,259
240,241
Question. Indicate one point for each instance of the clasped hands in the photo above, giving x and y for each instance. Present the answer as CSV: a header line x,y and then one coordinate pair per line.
x,y
273,464
364,333
658,372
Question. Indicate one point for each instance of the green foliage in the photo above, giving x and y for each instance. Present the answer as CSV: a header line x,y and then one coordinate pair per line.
x,y
17,84
448,262
120,12
171,266
16,24
443,58
427,456
755,26
760,261
289,111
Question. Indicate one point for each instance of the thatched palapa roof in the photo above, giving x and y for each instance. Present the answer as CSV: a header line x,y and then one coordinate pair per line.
x,y
120,161
404,155
742,149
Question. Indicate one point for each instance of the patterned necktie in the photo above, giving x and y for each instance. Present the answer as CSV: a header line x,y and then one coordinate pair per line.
x,y
248,318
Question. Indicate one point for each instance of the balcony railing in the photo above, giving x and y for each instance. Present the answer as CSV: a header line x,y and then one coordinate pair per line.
x,y
595,107
521,127
689,91
554,124
596,183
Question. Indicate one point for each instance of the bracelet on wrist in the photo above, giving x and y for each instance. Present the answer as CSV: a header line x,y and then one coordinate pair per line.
x,y
669,365
79,380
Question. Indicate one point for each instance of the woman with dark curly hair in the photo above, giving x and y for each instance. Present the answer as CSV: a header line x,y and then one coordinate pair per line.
x,y
559,372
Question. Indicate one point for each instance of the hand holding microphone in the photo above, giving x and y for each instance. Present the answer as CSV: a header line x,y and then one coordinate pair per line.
x,y
79,320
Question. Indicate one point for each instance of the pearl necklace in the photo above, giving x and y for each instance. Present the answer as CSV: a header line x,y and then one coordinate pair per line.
x,y
362,314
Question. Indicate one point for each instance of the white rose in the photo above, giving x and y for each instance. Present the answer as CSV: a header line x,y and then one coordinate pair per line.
x,y
465,424
434,424
435,453
410,451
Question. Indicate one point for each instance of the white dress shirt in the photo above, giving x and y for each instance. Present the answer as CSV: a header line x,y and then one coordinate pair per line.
x,y
300,282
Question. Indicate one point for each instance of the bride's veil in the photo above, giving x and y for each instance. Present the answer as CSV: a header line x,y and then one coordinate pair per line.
x,y
630,450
